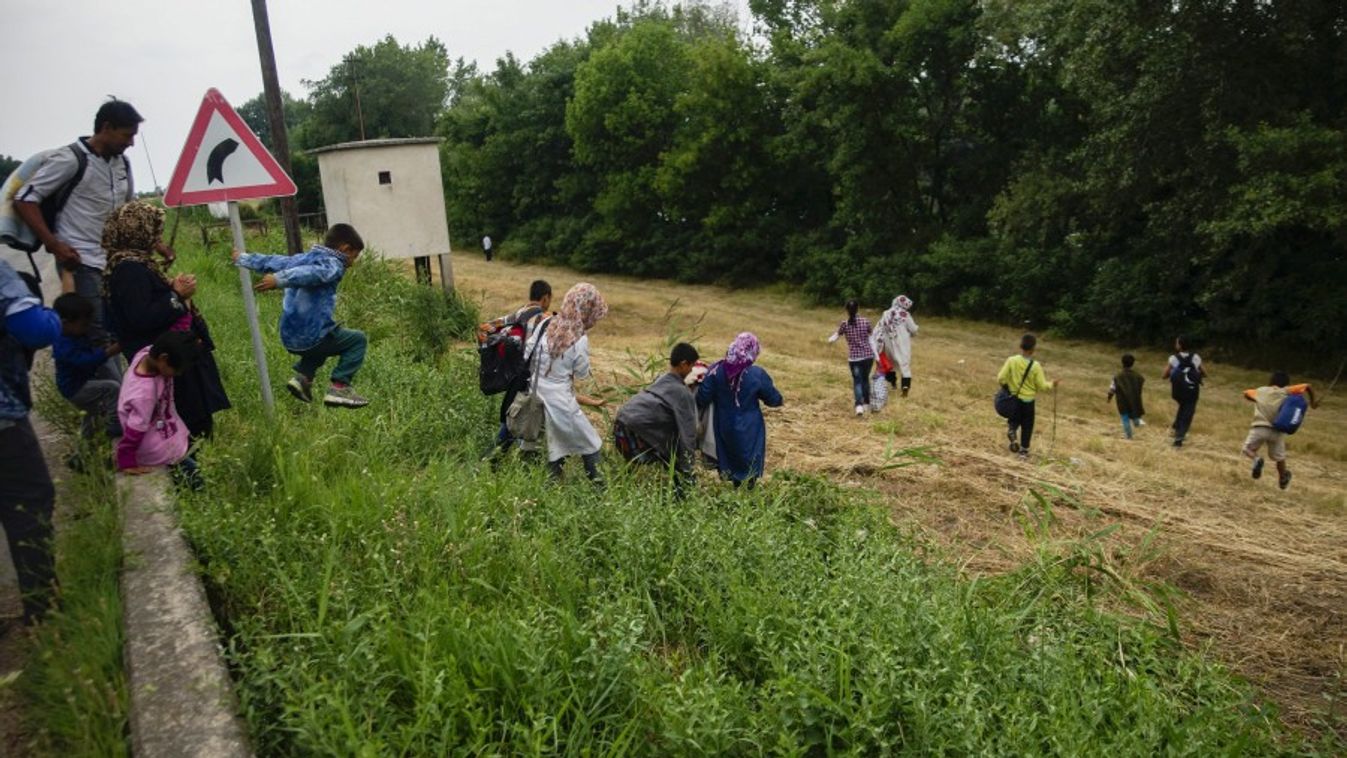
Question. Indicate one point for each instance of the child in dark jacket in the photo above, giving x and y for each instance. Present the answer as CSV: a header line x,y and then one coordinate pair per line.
x,y
1126,387
83,374
307,328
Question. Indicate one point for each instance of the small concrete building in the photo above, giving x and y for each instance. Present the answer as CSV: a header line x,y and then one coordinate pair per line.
x,y
391,191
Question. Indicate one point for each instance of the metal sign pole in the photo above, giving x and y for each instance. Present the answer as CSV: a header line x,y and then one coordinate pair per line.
x,y
250,305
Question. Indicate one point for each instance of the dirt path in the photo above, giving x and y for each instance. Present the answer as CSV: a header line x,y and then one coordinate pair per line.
x,y
1263,572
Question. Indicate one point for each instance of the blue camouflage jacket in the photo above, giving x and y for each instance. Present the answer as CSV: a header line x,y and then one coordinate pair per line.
x,y
310,282
24,326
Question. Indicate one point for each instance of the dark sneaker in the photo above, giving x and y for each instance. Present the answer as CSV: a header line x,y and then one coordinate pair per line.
x,y
343,397
1257,471
1284,480
301,388
1014,446
1178,443
1024,454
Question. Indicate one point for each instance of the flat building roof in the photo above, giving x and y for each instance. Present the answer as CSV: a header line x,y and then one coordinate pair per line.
x,y
396,142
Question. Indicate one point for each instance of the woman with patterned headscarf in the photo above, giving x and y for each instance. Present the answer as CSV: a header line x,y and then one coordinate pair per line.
x,y
144,302
893,337
562,349
736,389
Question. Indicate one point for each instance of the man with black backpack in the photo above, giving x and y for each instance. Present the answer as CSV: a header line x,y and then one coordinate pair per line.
x,y
1185,374
501,350
69,198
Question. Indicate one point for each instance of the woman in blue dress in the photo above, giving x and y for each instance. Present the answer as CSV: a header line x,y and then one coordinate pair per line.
x,y
735,387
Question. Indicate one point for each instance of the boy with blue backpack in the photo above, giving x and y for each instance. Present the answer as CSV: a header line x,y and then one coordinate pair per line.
x,y
1278,411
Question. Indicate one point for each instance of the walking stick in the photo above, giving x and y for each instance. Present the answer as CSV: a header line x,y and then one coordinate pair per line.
x,y
1052,443
1341,366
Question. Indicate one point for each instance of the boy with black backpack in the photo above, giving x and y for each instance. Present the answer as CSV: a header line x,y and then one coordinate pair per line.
x,y
1278,410
500,347
1185,374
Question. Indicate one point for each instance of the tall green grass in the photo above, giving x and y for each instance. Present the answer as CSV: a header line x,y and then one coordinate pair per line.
x,y
384,593
73,686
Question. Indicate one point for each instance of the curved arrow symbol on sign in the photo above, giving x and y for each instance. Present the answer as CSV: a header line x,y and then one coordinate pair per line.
x,y
215,163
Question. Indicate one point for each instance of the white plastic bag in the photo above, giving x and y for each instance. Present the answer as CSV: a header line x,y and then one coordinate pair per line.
x,y
879,392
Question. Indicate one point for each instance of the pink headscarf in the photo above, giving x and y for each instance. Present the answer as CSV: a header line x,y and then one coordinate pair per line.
x,y
581,309
895,315
743,351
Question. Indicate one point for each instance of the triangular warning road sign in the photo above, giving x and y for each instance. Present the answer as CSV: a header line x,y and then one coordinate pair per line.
x,y
223,160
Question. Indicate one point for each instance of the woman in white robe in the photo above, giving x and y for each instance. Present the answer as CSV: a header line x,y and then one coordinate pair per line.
x,y
893,337
562,359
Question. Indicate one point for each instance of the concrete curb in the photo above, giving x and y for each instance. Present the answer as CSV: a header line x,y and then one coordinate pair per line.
x,y
182,700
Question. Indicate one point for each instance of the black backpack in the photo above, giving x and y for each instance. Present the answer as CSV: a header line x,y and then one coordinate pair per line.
x,y
13,232
1185,379
501,355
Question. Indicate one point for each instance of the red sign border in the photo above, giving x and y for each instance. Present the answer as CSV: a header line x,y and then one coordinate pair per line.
x,y
214,102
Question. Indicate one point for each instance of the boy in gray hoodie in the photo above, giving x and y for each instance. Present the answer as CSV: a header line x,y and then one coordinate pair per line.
x,y
659,424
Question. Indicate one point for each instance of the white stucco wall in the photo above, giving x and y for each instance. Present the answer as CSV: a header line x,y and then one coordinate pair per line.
x,y
402,219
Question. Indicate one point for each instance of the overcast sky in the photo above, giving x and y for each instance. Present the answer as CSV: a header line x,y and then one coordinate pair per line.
x,y
66,56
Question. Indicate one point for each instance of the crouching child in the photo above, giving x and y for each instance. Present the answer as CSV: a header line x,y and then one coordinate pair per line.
x,y
307,327
83,374
152,433
1270,427
659,424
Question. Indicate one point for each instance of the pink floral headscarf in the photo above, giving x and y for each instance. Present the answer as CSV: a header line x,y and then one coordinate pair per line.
x,y
742,353
582,308
895,315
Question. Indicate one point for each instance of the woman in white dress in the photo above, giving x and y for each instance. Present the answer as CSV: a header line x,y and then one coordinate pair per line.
x,y
893,337
563,358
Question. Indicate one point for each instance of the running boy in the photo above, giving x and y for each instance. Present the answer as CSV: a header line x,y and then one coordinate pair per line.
x,y
1267,401
83,375
307,328
1126,386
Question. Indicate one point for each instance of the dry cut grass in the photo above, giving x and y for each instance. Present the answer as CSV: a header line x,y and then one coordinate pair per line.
x,y
1263,572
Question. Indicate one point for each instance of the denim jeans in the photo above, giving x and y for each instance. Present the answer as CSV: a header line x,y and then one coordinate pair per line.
x,y
1127,422
349,344
89,285
860,380
98,399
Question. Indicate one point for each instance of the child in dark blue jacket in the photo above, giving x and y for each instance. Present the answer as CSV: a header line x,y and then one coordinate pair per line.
x,y
83,375
307,328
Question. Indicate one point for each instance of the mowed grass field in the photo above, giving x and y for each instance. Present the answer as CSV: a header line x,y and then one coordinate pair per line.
x,y
1262,573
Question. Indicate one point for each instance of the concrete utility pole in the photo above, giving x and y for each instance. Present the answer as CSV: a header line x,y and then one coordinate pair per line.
x,y
280,143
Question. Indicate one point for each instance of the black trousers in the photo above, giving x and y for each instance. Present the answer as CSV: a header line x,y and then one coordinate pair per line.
x,y
26,501
1183,419
1023,420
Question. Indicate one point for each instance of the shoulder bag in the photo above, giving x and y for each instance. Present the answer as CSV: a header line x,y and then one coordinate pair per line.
x,y
524,420
1005,400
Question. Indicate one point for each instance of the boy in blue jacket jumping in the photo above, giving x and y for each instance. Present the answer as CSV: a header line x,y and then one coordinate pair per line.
x,y
307,328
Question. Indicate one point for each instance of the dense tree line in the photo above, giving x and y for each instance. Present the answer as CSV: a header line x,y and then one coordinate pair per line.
x,y
1127,170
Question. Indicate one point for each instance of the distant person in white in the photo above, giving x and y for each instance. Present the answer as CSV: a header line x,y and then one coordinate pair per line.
x,y
486,247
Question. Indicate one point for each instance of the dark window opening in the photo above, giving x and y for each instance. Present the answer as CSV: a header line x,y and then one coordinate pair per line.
x,y
385,177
